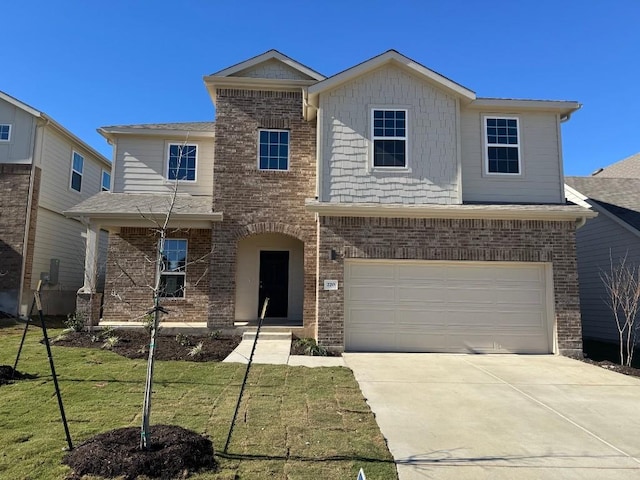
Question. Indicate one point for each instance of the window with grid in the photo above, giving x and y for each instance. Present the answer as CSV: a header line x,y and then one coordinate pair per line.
x,y
273,151
77,167
502,145
389,138
174,263
182,162
5,132
106,181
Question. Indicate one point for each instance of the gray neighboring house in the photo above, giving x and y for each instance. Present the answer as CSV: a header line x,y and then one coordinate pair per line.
x,y
613,192
44,169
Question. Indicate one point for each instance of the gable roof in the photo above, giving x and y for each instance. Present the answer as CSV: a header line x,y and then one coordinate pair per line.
x,y
389,57
192,129
264,57
618,197
626,168
50,121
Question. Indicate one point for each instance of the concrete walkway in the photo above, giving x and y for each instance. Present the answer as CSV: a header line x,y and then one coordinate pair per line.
x,y
273,349
502,416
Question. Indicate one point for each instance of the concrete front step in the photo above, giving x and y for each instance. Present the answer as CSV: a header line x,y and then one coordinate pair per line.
x,y
267,335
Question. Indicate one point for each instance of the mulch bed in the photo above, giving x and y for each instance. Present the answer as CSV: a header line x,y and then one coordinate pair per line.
x,y
175,453
135,344
614,367
8,375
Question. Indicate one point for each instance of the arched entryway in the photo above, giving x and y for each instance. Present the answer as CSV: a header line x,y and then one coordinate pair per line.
x,y
270,265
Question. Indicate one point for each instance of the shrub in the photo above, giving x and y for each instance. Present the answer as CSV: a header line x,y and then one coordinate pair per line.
x,y
147,322
75,321
110,342
196,351
310,347
183,340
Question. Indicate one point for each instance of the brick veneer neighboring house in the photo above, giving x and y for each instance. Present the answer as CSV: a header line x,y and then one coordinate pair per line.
x,y
384,208
37,182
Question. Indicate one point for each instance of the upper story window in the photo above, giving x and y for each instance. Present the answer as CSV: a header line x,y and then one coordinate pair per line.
x,y
106,181
174,264
389,138
502,145
182,162
273,150
5,132
77,167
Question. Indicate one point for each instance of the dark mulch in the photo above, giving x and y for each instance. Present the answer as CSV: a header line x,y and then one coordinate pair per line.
x,y
135,344
8,375
176,453
607,355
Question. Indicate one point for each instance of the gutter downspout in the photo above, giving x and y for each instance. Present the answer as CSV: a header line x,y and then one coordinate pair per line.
x,y
580,222
36,141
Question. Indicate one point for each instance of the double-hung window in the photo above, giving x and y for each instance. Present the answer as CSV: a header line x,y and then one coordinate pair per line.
x,y
77,167
5,132
174,264
389,137
273,150
182,162
502,145
106,181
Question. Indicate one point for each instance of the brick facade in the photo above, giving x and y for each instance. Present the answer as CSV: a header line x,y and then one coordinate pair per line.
x,y
255,201
131,270
14,198
450,239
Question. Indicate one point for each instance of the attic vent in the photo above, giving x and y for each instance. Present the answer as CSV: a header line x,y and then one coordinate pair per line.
x,y
274,122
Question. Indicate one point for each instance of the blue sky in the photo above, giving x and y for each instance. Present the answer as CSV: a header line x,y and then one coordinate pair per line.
x,y
90,64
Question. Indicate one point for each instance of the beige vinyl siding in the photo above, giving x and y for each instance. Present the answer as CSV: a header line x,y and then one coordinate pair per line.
x,y
541,175
274,69
347,175
19,149
599,238
61,238
55,191
141,164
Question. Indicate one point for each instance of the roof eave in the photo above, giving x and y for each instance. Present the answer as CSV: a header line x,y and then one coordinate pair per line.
x,y
561,107
269,55
111,132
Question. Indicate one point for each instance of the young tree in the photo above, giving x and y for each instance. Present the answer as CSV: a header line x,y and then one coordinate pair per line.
x,y
622,283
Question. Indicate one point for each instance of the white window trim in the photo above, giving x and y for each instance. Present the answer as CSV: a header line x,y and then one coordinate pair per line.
x,y
181,144
372,166
73,170
101,180
10,128
288,151
182,273
486,146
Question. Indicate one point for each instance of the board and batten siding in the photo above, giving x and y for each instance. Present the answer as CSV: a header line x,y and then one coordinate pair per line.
x,y
55,187
599,241
19,148
347,173
141,166
541,174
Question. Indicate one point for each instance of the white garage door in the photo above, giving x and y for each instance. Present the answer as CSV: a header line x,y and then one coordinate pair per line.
x,y
424,306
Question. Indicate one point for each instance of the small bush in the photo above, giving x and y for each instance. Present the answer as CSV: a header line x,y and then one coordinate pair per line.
x,y
216,334
75,321
147,322
196,351
310,347
110,342
183,340
107,332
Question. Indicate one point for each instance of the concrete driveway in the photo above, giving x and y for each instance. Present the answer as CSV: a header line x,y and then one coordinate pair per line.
x,y
502,416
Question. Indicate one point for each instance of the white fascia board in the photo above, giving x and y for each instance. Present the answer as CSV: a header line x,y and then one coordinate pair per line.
x,y
266,56
445,211
21,105
70,136
389,57
556,106
110,218
109,133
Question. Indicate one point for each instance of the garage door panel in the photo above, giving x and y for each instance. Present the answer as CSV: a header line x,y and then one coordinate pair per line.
x,y
421,306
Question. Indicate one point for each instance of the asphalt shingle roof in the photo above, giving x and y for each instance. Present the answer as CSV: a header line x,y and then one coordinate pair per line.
x,y
627,168
107,203
620,196
197,126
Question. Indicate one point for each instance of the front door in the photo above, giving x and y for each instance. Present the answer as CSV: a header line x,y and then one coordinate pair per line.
x,y
274,282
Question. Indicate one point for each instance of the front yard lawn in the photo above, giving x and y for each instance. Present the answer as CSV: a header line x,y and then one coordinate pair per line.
x,y
294,422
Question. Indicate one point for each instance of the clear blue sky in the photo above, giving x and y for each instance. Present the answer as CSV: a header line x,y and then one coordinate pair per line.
x,y
92,63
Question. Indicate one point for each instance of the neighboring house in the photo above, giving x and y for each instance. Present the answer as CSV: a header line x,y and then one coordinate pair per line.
x,y
44,169
383,208
613,235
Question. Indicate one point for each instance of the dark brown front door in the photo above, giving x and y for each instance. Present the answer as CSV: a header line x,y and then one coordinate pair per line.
x,y
274,282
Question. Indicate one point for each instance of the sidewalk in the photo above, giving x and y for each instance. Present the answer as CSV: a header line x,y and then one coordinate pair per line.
x,y
273,349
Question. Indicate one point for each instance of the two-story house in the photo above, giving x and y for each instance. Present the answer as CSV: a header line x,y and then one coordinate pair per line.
x,y
384,208
44,169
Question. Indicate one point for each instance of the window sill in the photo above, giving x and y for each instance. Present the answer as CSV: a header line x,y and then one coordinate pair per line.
x,y
390,170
